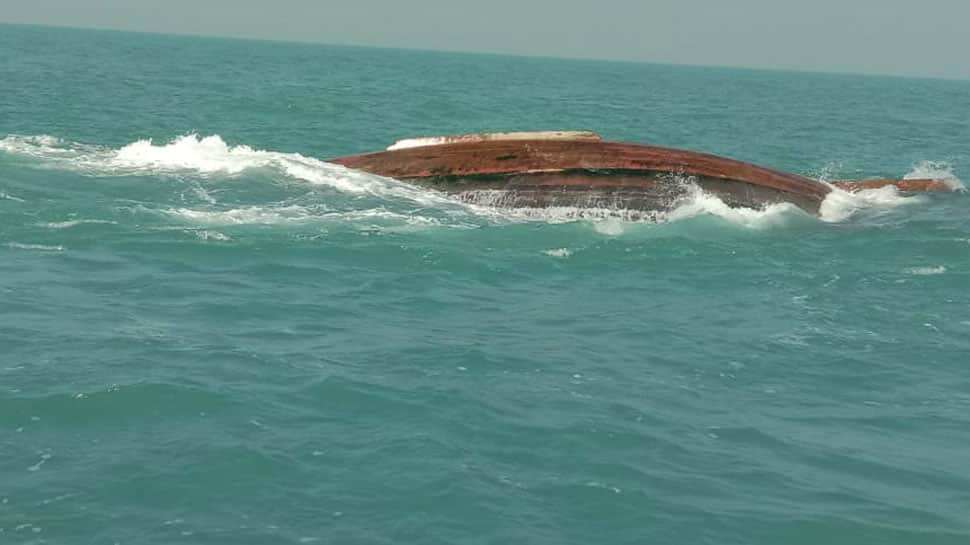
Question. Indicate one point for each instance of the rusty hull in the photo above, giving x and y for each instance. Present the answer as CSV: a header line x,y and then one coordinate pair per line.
x,y
586,172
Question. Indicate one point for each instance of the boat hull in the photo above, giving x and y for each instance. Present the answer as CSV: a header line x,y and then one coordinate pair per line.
x,y
583,171
630,190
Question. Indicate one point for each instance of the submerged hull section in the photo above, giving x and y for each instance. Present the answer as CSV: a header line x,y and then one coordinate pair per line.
x,y
619,190
536,170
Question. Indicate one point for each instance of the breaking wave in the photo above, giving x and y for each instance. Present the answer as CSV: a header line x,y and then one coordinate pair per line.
x,y
840,205
936,170
695,202
204,156
701,204
211,157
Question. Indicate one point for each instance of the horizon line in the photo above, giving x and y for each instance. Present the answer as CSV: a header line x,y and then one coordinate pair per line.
x,y
489,53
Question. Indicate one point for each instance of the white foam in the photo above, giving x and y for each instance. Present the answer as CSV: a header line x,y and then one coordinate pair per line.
x,y
75,223
936,170
212,235
9,197
43,459
281,214
565,214
382,214
251,215
611,221
42,140
700,203
558,252
34,146
927,271
39,247
611,227
840,205
206,156
211,156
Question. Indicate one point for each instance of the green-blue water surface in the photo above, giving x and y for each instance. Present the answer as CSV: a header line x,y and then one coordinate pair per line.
x,y
209,335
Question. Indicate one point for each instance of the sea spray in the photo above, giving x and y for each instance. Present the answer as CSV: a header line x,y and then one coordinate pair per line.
x,y
936,170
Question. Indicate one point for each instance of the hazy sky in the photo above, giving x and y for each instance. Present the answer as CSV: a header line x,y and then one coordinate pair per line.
x,y
905,37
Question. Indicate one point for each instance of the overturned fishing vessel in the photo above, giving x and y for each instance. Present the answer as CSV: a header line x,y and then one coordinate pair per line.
x,y
579,169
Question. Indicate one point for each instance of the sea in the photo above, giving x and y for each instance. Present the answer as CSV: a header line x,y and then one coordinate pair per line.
x,y
211,335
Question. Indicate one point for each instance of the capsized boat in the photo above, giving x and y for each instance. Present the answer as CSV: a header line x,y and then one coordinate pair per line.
x,y
579,169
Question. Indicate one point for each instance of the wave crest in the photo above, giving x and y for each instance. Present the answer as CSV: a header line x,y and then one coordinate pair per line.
x,y
204,156
840,205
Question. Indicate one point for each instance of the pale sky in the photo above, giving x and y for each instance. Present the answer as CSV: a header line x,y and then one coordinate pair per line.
x,y
898,37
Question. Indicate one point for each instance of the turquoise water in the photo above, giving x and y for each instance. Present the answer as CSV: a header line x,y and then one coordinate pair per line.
x,y
209,335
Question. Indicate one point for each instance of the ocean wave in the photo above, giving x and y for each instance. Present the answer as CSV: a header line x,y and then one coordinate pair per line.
x,y
74,223
609,221
558,252
35,146
249,215
292,214
840,205
211,156
36,247
700,203
9,197
206,157
207,235
926,271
